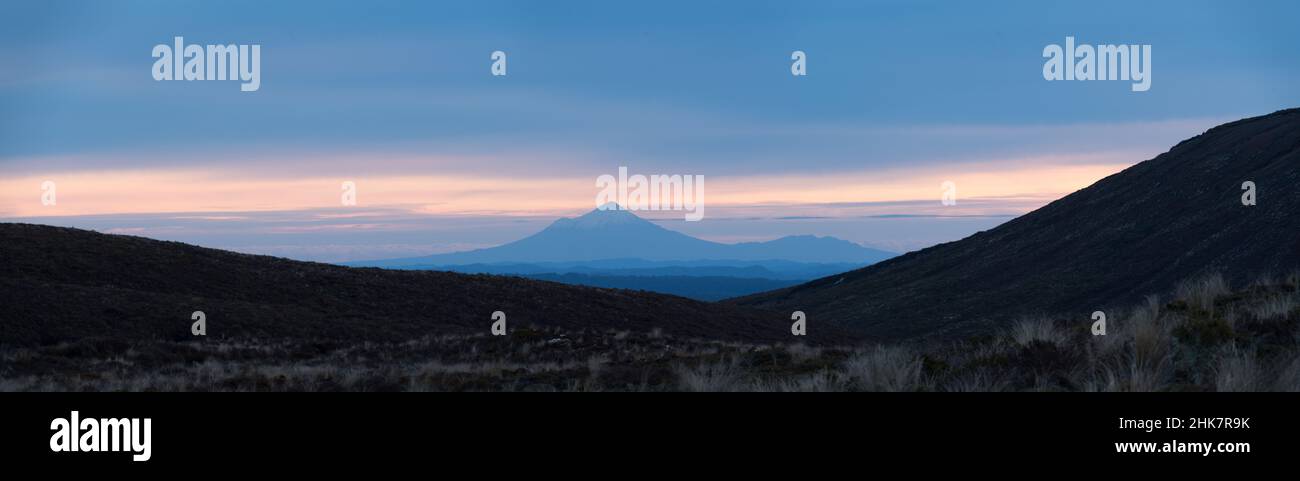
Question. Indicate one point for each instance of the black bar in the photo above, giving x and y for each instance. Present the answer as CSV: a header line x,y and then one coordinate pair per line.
x,y
232,430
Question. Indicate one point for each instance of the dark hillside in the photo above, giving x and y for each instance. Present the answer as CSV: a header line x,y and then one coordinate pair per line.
x,y
1135,233
59,284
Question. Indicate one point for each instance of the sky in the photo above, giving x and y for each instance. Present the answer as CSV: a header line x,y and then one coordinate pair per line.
x,y
398,97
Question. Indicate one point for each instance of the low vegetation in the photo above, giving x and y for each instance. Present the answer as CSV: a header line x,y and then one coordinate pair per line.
x,y
1208,337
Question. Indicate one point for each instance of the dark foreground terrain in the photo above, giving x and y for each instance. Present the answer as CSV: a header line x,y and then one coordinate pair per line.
x,y
1207,338
60,284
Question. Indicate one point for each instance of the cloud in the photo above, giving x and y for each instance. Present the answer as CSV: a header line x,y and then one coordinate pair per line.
x,y
1002,185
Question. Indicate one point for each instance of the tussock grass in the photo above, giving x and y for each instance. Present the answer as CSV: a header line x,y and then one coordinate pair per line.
x,y
883,369
714,377
823,381
978,381
1029,331
1277,306
1202,292
1288,378
1237,371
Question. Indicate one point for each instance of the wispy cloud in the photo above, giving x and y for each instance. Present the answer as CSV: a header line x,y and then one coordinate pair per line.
x,y
236,189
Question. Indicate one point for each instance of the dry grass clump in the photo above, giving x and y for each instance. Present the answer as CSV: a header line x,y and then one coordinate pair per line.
x,y
882,368
1202,292
1029,331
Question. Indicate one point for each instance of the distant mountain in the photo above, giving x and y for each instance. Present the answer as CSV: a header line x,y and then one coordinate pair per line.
x,y
60,284
619,234
1134,233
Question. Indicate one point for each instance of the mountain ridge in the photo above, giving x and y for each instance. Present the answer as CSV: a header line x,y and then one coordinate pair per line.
x,y
1137,232
604,234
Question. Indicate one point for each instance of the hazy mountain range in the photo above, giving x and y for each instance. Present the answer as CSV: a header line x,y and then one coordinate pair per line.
x,y
615,248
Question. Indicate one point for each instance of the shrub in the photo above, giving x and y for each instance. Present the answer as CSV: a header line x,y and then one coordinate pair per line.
x,y
1027,331
884,369
1236,371
711,377
1202,292
1274,307
1204,331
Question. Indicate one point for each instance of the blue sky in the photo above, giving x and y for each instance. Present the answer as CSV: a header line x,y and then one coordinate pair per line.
x,y
898,94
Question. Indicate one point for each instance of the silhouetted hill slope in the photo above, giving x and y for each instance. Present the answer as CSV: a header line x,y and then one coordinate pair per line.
x,y
704,288
620,234
1134,233
61,284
